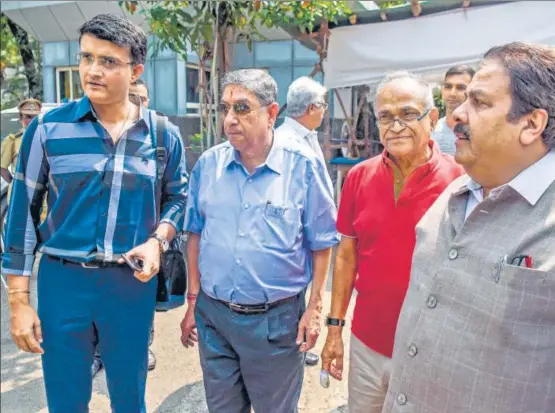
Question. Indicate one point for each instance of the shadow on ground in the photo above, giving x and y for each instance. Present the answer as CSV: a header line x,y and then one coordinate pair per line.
x,y
189,398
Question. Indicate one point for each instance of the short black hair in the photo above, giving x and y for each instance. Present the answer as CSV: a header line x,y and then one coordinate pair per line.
x,y
460,70
141,82
531,69
120,31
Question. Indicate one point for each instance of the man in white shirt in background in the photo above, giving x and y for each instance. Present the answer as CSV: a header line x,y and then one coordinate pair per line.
x,y
453,94
306,105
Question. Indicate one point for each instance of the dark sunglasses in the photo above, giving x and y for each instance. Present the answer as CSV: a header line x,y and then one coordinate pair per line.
x,y
23,116
239,108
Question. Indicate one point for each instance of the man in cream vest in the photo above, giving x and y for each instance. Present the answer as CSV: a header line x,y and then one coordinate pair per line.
x,y
477,328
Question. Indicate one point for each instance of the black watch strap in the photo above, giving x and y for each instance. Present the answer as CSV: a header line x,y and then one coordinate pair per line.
x,y
335,322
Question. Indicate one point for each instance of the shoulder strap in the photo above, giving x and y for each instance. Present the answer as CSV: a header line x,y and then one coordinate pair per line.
x,y
160,157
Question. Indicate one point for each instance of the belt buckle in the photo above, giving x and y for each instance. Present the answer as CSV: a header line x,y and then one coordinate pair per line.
x,y
237,308
89,265
246,310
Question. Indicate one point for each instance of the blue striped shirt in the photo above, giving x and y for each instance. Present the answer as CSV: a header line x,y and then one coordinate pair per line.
x,y
101,195
258,230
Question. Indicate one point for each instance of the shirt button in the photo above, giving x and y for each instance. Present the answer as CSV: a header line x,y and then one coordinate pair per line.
x,y
241,234
401,399
249,181
453,254
238,261
431,301
412,350
246,206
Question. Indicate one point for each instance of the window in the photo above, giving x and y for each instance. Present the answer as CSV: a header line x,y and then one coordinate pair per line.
x,y
193,89
68,84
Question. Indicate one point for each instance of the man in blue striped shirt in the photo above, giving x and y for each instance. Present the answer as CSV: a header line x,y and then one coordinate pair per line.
x,y
97,159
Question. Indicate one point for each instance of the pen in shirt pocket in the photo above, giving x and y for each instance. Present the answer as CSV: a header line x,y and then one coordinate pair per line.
x,y
518,260
268,204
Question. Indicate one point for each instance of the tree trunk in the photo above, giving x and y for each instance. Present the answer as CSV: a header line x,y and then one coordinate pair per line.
x,y
27,56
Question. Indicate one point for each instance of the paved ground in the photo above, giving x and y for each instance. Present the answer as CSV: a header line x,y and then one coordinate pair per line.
x,y
174,387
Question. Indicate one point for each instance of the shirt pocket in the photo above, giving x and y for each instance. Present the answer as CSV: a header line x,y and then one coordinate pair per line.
x,y
280,226
516,276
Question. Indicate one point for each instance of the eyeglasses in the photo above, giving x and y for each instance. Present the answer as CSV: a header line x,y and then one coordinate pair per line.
x,y
322,105
23,116
240,108
107,62
388,121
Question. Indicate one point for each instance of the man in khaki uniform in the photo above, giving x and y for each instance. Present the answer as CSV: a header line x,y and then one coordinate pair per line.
x,y
28,109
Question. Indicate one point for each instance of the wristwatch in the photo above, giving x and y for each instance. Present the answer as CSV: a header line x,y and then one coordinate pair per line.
x,y
164,244
335,322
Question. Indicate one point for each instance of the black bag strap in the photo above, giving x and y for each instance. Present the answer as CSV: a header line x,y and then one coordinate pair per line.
x,y
161,159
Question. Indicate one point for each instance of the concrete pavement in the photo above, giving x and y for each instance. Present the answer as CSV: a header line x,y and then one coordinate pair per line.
x,y
175,386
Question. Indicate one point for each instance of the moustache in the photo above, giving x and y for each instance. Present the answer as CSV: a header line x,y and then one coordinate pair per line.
x,y
462,131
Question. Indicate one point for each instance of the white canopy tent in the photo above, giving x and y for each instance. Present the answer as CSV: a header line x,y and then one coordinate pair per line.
x,y
429,45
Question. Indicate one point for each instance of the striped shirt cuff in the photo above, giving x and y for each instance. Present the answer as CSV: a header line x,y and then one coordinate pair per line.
x,y
172,223
17,264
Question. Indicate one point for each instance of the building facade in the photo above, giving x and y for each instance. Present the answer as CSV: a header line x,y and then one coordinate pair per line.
x,y
172,80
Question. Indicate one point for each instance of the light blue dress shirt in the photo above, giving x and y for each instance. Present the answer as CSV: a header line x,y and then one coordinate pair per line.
x,y
444,136
258,230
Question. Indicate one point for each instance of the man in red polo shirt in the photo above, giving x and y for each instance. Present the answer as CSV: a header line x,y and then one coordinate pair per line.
x,y
382,201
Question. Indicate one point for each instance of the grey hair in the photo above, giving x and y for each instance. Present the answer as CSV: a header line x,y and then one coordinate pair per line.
x,y
531,69
427,93
257,81
303,92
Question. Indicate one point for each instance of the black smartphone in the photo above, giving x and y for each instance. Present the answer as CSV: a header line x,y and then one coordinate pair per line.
x,y
134,263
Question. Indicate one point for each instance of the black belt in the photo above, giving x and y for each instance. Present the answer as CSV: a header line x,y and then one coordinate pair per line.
x,y
91,264
256,308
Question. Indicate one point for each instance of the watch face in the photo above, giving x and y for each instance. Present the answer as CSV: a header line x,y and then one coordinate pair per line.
x,y
165,245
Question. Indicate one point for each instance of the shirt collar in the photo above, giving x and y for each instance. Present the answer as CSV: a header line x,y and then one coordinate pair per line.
x,y
84,108
274,160
301,130
531,183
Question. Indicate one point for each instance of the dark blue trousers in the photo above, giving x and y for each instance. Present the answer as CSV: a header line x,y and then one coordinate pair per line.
x,y
74,304
250,360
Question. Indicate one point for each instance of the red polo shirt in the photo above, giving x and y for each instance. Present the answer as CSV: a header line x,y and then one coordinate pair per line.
x,y
385,233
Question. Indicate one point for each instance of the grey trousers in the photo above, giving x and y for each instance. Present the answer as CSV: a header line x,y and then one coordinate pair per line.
x,y
250,360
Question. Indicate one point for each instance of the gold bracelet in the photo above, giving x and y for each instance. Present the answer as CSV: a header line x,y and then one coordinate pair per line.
x,y
18,291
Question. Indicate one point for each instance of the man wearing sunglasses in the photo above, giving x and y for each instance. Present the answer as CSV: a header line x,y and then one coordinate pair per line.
x,y
258,207
382,201
97,157
28,109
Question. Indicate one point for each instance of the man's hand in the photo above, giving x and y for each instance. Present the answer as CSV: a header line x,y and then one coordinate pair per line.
x,y
309,327
25,328
189,335
5,173
149,254
332,354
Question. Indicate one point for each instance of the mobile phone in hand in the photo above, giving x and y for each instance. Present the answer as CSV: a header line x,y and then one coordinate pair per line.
x,y
134,263
324,379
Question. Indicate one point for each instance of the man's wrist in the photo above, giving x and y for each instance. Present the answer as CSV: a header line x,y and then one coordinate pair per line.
x,y
315,304
335,330
16,300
